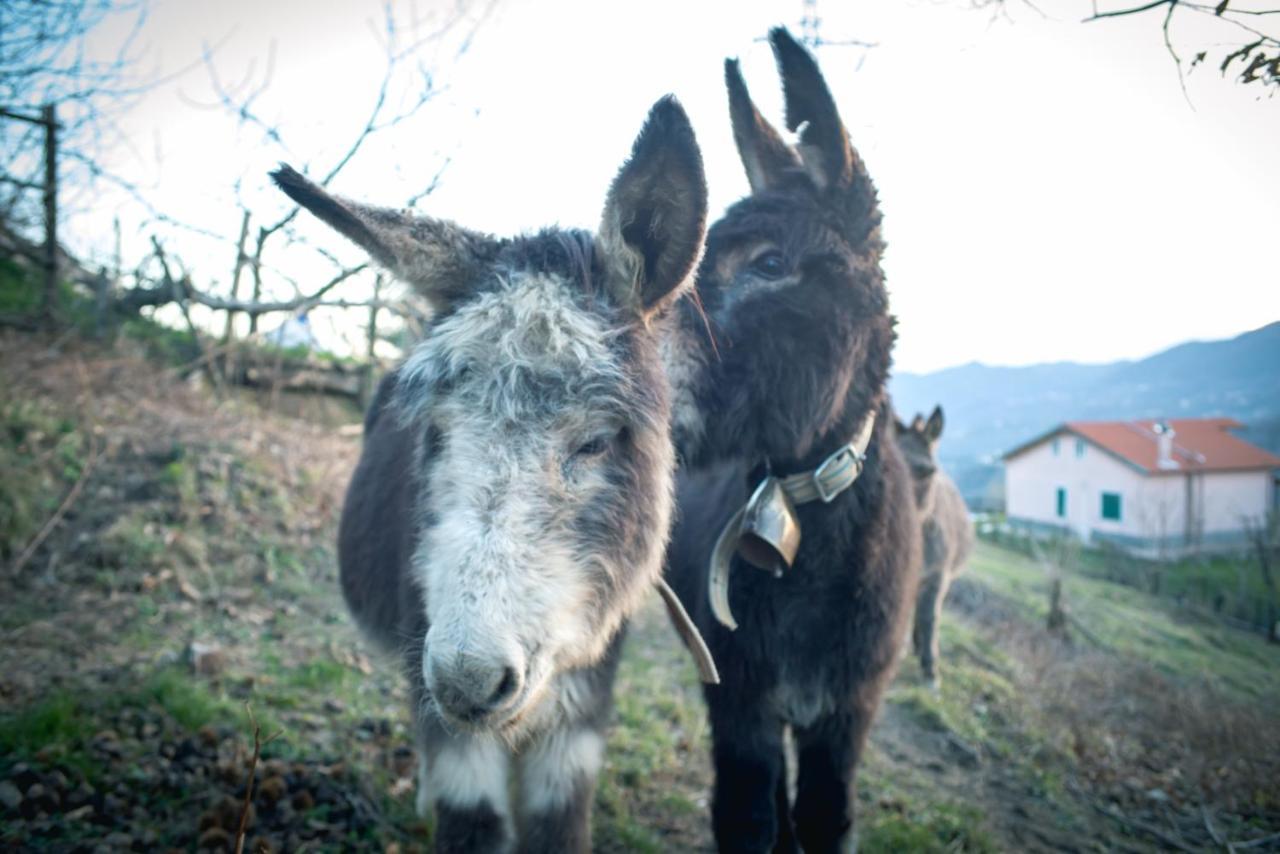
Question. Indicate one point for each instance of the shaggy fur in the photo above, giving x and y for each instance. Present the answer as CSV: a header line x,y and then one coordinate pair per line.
x,y
793,354
946,532
512,503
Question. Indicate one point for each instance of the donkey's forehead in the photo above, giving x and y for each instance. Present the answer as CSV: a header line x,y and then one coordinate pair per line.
x,y
782,218
529,343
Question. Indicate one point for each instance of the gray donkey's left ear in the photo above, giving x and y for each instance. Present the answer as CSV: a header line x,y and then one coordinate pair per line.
x,y
656,214
438,258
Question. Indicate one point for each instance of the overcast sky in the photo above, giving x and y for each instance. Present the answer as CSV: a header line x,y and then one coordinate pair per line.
x,y
1049,192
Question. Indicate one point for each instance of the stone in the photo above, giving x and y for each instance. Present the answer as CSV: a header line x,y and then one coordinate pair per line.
x,y
10,796
215,838
206,659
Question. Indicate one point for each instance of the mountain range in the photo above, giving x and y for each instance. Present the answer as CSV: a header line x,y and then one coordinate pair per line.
x,y
990,410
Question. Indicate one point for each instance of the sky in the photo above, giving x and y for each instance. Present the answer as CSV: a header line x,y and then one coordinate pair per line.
x,y
1050,192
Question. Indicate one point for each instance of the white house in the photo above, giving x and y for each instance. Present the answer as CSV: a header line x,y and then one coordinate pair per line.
x,y
1155,488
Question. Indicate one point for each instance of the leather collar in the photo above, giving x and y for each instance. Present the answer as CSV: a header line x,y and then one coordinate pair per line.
x,y
831,478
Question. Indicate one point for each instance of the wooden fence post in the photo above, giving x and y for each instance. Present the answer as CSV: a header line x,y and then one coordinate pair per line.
x,y
101,291
49,308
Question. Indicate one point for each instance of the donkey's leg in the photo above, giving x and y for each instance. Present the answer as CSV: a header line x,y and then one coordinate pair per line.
x,y
557,782
924,634
750,765
935,656
464,779
828,754
786,841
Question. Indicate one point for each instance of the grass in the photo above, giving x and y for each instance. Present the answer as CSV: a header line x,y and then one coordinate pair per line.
x,y
926,828
190,702
41,455
1229,583
658,738
1138,626
59,721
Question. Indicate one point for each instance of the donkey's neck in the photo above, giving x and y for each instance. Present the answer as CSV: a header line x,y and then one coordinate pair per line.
x,y
821,446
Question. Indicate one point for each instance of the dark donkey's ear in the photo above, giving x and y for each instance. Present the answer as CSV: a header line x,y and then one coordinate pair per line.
x,y
824,147
933,427
765,154
824,143
656,213
438,258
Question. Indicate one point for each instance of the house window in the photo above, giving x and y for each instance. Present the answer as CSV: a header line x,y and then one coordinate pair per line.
x,y
1079,447
1055,447
1111,506
1062,502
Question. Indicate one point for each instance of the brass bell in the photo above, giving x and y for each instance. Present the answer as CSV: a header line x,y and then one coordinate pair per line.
x,y
770,534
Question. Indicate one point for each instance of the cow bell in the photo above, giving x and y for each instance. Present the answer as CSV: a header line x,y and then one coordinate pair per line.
x,y
770,534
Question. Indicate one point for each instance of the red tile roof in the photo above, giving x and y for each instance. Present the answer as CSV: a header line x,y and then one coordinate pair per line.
x,y
1199,444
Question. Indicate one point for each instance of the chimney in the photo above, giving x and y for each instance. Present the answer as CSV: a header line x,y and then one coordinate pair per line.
x,y
1164,445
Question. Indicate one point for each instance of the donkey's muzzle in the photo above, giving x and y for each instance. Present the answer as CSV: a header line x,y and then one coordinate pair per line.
x,y
474,688
770,534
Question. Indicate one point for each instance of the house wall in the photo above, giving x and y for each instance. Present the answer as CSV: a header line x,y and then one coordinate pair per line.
x,y
1033,477
1154,520
1232,497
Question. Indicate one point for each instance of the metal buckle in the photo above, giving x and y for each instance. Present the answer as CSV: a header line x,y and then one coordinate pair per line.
x,y
828,494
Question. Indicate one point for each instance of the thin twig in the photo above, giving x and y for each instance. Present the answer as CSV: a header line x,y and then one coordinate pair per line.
x,y
1097,16
258,744
72,495
1254,843
1213,831
1151,830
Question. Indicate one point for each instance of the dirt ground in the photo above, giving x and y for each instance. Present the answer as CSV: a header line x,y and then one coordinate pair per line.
x,y
168,582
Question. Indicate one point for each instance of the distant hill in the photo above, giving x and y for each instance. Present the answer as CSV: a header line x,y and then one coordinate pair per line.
x,y
992,409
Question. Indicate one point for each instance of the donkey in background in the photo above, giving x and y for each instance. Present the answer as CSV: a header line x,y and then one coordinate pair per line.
x,y
946,532
512,502
787,373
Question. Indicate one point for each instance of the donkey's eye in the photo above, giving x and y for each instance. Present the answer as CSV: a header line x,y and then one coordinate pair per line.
x,y
592,448
769,265
600,444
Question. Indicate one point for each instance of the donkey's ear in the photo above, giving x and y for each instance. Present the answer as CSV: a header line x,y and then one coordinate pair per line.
x,y
824,144
933,427
898,427
656,213
438,258
765,155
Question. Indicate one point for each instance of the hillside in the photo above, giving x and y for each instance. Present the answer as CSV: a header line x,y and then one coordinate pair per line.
x,y
992,409
183,574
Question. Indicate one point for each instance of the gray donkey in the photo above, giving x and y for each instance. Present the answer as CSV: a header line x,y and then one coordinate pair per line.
x,y
513,499
946,532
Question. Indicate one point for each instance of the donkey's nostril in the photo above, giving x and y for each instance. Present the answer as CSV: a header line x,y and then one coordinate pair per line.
x,y
507,688
472,688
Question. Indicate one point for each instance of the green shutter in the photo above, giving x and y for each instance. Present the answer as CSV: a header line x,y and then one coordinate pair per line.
x,y
1111,506
1062,502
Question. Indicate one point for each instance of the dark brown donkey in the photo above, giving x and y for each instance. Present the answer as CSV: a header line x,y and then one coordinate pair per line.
x,y
945,531
512,503
785,381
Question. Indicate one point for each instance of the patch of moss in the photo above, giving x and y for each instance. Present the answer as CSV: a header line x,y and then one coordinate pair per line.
x,y
932,827
60,720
